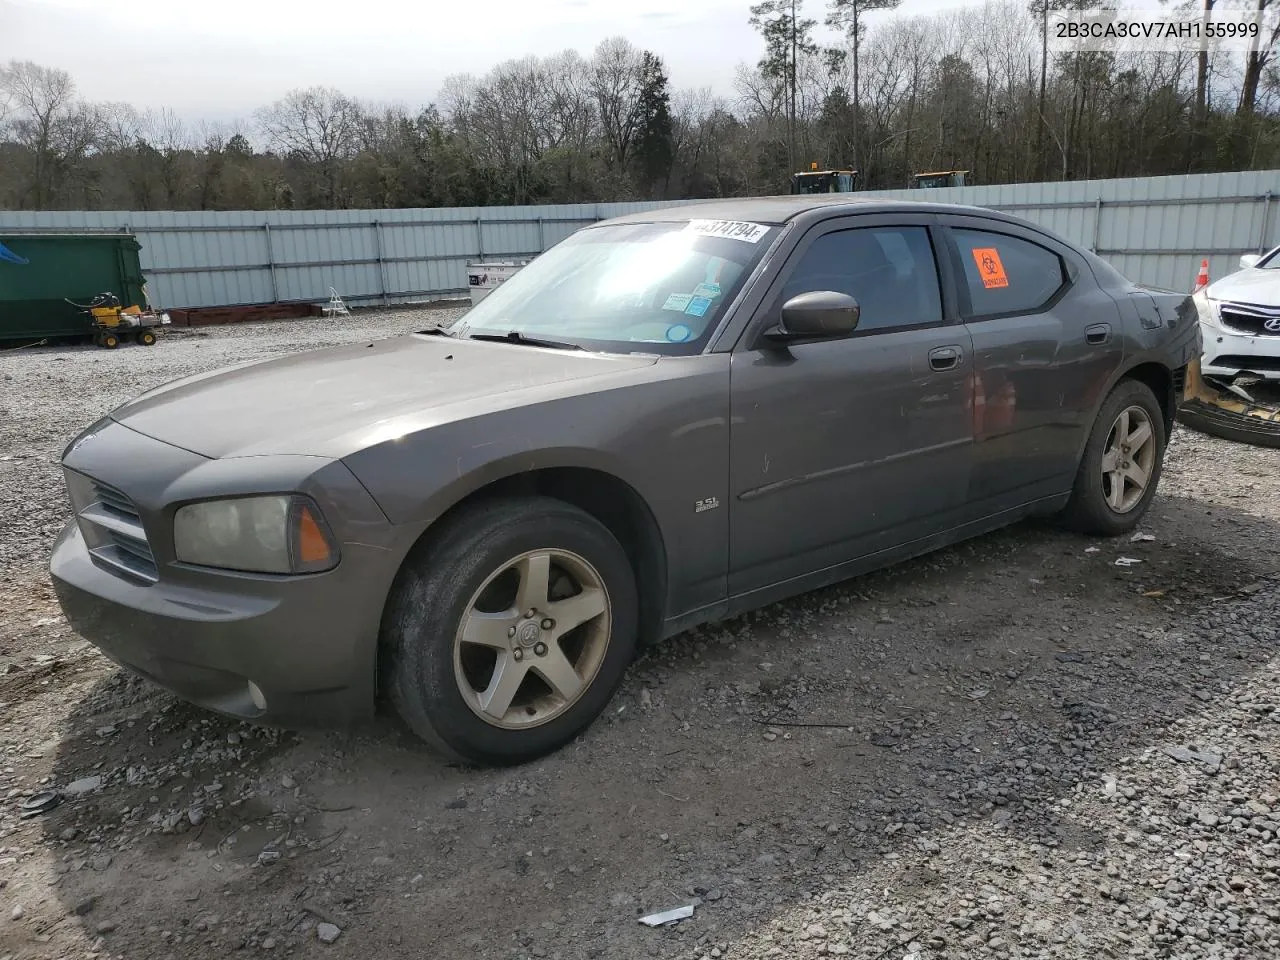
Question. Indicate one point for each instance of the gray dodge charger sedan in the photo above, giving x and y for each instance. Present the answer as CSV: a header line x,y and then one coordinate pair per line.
x,y
666,419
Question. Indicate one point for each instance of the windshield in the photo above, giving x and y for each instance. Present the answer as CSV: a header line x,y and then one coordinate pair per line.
x,y
632,287
1271,261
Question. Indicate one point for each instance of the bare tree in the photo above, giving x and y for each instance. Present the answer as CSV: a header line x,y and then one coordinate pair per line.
x,y
121,126
41,99
571,118
72,140
570,128
616,77
168,136
319,124
1262,50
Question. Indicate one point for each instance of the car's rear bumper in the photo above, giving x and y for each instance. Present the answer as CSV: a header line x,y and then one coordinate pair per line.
x,y
1227,354
289,651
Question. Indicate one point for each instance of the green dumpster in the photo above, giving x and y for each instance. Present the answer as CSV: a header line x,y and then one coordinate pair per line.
x,y
61,267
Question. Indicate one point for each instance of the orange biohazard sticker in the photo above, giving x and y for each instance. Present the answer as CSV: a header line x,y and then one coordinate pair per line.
x,y
990,269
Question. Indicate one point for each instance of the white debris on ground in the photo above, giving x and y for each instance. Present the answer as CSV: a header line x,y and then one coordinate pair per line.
x,y
1012,748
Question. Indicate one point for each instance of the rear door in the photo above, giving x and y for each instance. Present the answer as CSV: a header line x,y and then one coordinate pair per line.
x,y
1046,341
845,447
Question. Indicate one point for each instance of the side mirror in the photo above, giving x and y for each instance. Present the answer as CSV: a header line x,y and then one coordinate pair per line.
x,y
1249,260
819,314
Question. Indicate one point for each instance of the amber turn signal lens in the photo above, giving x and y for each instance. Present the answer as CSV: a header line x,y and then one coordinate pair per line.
x,y
313,545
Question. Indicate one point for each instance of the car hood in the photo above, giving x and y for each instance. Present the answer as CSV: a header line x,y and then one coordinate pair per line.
x,y
1254,285
334,401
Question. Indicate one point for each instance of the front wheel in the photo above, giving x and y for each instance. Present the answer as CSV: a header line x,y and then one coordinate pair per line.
x,y
509,634
1121,465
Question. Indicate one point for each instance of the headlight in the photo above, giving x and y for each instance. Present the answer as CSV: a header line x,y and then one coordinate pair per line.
x,y
283,534
1209,310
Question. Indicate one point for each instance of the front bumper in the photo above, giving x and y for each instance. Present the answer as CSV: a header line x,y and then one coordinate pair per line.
x,y
1227,354
289,650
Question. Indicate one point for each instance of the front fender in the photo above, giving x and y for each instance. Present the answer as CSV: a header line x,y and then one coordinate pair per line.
x,y
666,436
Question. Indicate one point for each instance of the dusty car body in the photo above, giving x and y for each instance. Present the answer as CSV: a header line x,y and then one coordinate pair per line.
x,y
669,418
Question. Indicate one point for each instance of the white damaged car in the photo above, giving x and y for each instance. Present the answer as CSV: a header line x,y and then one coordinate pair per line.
x,y
1240,321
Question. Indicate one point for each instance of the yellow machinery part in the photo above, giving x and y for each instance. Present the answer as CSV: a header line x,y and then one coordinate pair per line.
x,y
106,316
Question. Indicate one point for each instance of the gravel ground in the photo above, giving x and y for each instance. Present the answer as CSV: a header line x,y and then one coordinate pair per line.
x,y
1009,748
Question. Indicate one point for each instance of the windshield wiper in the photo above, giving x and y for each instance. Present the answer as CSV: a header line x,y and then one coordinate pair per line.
x,y
515,336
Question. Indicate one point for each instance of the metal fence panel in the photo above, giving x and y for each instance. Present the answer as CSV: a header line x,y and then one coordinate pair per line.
x,y
1154,230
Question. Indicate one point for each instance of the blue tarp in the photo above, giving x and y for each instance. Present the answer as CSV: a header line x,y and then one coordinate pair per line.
x,y
9,256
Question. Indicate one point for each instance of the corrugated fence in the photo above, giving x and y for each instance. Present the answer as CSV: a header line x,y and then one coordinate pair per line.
x,y
1154,230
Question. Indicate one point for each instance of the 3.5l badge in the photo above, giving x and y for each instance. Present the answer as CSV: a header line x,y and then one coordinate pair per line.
x,y
702,506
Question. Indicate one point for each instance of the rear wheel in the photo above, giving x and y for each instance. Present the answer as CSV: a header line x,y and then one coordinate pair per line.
x,y
110,341
511,632
1121,465
146,338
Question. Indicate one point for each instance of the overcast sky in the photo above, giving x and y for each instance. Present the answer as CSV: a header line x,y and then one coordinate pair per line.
x,y
220,60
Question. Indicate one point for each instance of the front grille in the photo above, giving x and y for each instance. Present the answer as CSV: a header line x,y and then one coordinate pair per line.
x,y
1251,319
112,529
115,501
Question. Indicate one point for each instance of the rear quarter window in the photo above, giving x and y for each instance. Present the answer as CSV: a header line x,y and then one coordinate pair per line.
x,y
1006,274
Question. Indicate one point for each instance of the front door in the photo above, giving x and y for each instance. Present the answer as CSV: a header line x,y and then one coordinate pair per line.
x,y
842,448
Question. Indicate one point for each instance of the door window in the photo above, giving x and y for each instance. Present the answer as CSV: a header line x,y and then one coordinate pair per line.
x,y
890,271
1007,274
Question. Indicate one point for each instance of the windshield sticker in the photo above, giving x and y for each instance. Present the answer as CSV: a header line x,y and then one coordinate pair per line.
x,y
698,306
990,269
679,332
733,229
677,302
711,290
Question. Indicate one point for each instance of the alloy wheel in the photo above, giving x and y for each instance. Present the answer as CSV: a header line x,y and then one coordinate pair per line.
x,y
1128,459
532,639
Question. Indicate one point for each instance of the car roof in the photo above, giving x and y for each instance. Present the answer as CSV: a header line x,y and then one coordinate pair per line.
x,y
779,210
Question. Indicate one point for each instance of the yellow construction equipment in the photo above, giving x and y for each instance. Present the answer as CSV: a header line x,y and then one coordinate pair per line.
x,y
114,323
814,180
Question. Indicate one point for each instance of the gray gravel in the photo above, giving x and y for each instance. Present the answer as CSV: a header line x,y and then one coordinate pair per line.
x,y
1012,748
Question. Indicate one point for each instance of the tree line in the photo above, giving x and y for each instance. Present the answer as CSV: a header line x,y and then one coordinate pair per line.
x,y
893,95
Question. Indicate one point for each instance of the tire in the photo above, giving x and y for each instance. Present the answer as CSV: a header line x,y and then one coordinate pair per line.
x,y
147,338
439,682
1095,506
110,341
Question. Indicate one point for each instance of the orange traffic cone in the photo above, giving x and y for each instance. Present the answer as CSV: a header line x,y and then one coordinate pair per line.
x,y
1202,278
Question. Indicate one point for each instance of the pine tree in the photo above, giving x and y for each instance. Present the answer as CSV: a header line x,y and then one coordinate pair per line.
x,y
655,144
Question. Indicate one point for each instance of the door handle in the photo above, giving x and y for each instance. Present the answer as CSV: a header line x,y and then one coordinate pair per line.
x,y
1097,334
945,358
